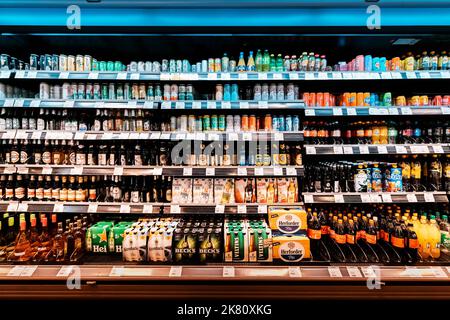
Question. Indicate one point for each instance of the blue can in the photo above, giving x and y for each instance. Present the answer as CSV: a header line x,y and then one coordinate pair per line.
x,y
226,92
382,64
234,92
204,66
34,62
42,62
172,65
179,67
373,99
368,63
281,124
55,62
295,123
275,123
186,66
376,64
48,62
288,123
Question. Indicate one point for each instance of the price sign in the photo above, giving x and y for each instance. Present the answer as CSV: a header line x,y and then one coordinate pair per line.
x,y
233,137
175,271
15,271
212,76
309,76
126,135
424,75
400,149
351,111
334,272
125,208
147,208
187,171
366,198
310,150
58,207
241,208
5,74
12,207
290,171
294,272
354,272
386,75
211,105
19,102
76,171
134,76
69,103
396,75
337,150
310,112
241,171
228,272
166,105
244,105
277,171
386,197
117,271
347,75
179,105
293,76
438,149
411,75
336,75
175,208
308,198
65,271
64,75
247,136
220,208
368,272
277,76
9,170
278,136
164,136
92,208
375,198
263,104
348,150
93,75
242,76
27,271
382,149
35,103
47,170
210,172
337,111
225,76
393,111
419,149
122,76
259,171
406,111
157,171
22,170
118,171
23,207
226,105
445,110
196,105
364,149
339,198
8,103
190,136
411,197
323,75
429,197
262,208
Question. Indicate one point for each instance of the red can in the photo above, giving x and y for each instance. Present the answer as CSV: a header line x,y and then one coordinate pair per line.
x,y
312,99
306,99
438,101
326,99
319,99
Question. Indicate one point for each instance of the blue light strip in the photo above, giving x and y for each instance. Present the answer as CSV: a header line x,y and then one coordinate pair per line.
x,y
351,17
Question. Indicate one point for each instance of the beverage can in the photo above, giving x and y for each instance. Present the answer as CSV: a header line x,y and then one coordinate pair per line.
x,y
275,123
244,123
4,61
265,92
166,93
272,92
237,123
104,91
173,123
415,101
288,123
280,92
34,61
191,123
179,66
174,92
97,91
295,123
185,66
135,91
81,92
214,123
181,92
206,123
423,101
87,62
268,122
281,123
183,123
439,101
230,123
110,66
217,65
257,92
368,63
222,125
89,91
290,92
211,65
142,92
252,122
102,66
66,91
219,92
111,91
79,63
140,66
44,90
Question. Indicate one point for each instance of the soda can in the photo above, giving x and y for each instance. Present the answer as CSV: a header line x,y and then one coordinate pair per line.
x,y
4,61
48,62
206,123
257,92
110,66
156,67
148,66
44,90
55,62
150,92
288,123
34,62
119,92
185,66
252,122
360,99
387,99
273,92
214,123
183,123
105,91
218,65
87,63
142,92
281,124
66,91
166,95
211,65
376,64
191,123
79,63
81,93
204,67
41,62
290,92
95,65
395,181
112,91
141,66
189,93
135,91
102,66
219,92
423,101
118,66
158,92
244,122
275,123
222,126
164,66
174,92
198,123
57,91
172,65
439,101
295,123
237,123
182,92
229,123
63,63
96,92
265,92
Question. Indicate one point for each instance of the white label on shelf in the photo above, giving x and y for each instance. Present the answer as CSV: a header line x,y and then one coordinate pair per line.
x,y
354,272
277,171
262,208
226,105
117,271
212,76
241,208
309,76
364,149
374,75
374,111
187,171
308,198
196,105
310,150
200,136
35,103
126,135
8,103
99,105
214,137
429,197
65,271
47,170
179,105
396,75
175,208
386,197
157,171
375,198
244,105
334,272
36,135
262,76
277,76
337,111
148,104
242,76
365,198
339,198
122,76
294,272
291,171
293,76
27,271
351,111
410,75
19,102
310,112
132,104
15,271
211,105
9,170
125,208
118,171
348,75
323,75
445,74
411,197
5,74
92,208
438,272
175,271
79,135
419,149
393,111
134,76
337,150
164,136
228,272
20,74
406,111
164,76
180,136
220,208
348,150
64,75
22,170
210,172
76,171
69,103
21,134
368,272
278,136
445,110
424,75
400,149
23,207
259,171
190,136
382,149
93,75
147,208
12,207
233,136
263,105
247,136
336,75
438,149
166,105
241,171
155,135
58,207
225,76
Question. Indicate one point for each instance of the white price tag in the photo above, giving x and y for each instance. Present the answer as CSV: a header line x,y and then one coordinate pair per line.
x,y
348,150
294,272
22,170
337,150
364,149
35,103
242,76
175,271
263,105
374,75
323,75
179,105
262,208
12,207
233,136
393,111
410,75
411,197
196,105
368,272
148,104
9,169
310,112
244,105
117,271
262,76
374,111
200,136
309,76
214,137
15,271
308,198
93,75
429,197
419,149
386,75
241,208
400,149
445,110
27,271
354,272
122,76
247,136
293,76
211,105
118,171
190,136
278,136
65,271
8,103
406,111
291,171
337,111
277,76
438,149
166,105
225,76
64,75
226,105
125,208
92,208
19,102
147,208
339,198
79,135
210,172
76,171
36,135
126,135
375,198
187,171
220,208
310,150
212,76
334,272
180,136
347,75
365,198
58,207
424,75
228,272
382,149
241,171
5,74
134,76
396,75
23,207
175,208
351,111
277,171
259,171
47,170
69,103
132,104
99,105
155,135
336,75
386,197
157,171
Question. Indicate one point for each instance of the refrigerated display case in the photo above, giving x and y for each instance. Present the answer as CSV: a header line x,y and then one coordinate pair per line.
x,y
183,153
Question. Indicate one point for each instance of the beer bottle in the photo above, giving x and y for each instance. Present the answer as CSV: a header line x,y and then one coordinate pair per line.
x,y
339,233
79,193
435,174
56,188
446,173
71,189
9,188
91,155
168,195
48,188
249,191
282,155
92,190
412,243
314,232
398,238
135,196
19,189
15,152
371,233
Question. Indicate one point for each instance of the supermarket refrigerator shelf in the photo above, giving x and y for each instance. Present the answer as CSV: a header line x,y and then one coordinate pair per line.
x,y
377,149
376,111
377,197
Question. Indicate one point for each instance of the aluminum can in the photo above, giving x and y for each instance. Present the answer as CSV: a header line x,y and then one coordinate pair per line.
x,y
66,91
164,66
89,91
174,92
288,123
219,92
211,65
112,91
87,61
97,95
141,66
34,62
142,92
214,122
229,124
182,92
44,91
237,123
79,63
102,66
81,91
57,91
110,66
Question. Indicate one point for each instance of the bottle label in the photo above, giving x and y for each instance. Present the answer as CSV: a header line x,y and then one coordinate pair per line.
x,y
350,239
56,158
325,229
31,193
340,238
63,195
371,238
23,156
71,195
47,157
102,159
40,193
72,158
55,194
81,159
15,156
79,195
137,160
37,157
398,242
90,159
92,194
135,196
413,243
9,193
20,192
48,193
314,234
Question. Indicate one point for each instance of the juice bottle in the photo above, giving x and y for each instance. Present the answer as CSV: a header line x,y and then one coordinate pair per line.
x,y
435,239
251,62
409,62
241,64
371,233
445,233
423,236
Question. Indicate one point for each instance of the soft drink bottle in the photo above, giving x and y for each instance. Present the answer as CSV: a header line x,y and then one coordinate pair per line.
x,y
279,63
435,239
241,64
266,61
445,233
251,62
259,61
273,63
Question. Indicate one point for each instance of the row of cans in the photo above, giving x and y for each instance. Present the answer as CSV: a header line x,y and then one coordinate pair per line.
x,y
115,91
11,63
259,92
8,91
235,123
80,63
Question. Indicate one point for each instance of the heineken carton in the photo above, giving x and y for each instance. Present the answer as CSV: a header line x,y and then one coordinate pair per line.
x,y
115,239
97,237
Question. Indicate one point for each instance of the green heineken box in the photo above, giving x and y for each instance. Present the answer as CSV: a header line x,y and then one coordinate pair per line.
x,y
97,237
115,238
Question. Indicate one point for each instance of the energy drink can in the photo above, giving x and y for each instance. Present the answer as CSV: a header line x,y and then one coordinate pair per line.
x,y
265,92
81,91
222,122
290,92
89,91
118,66
44,90
173,92
102,66
288,123
423,101
275,123
172,65
387,99
4,61
140,66
281,124
189,92
204,66
214,123
183,123
105,95
211,65
79,63
66,91
185,66
87,62
191,123
295,123
206,123
273,92
95,65
111,91
179,66
217,65
97,91
219,92
280,92
368,63
110,66
48,62
230,123
244,122
237,123
34,62
166,94
164,66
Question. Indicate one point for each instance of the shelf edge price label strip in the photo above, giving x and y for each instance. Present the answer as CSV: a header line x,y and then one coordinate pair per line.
x,y
15,271
175,271
220,208
262,208
175,208
228,272
241,208
334,272
147,208
295,272
210,172
58,207
187,172
429,197
308,198
354,272
411,197
65,271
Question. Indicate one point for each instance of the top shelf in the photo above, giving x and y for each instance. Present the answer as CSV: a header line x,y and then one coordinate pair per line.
x,y
223,76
